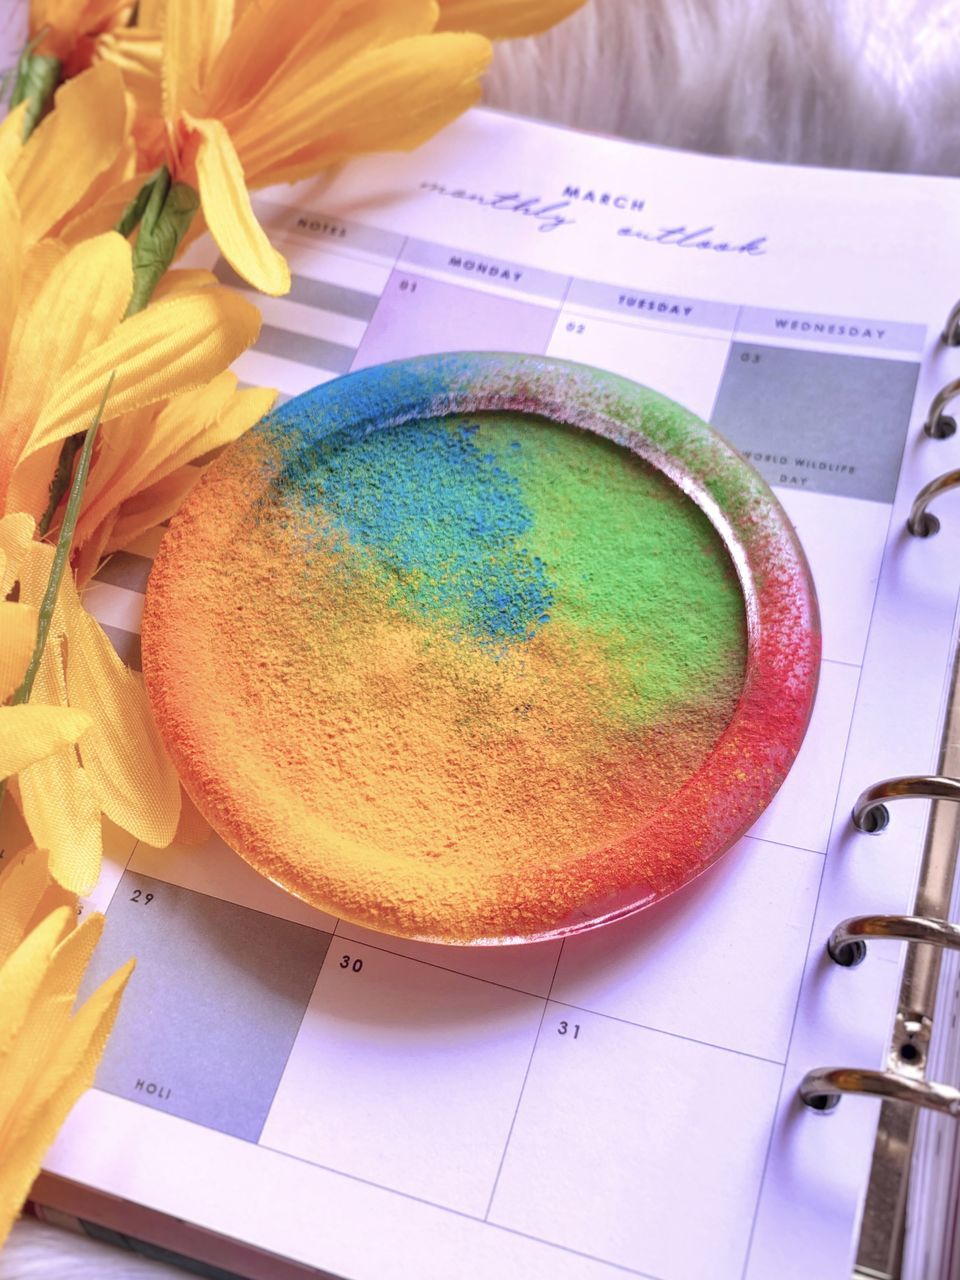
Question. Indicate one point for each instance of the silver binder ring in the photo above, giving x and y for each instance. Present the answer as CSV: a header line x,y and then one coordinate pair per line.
x,y
920,522
951,330
870,813
940,425
846,944
822,1089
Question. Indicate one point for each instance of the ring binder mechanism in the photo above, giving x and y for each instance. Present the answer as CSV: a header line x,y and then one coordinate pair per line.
x,y
904,1081
822,1089
870,813
939,425
920,522
847,947
951,330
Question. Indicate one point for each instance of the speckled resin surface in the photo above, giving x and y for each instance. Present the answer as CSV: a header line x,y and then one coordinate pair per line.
x,y
481,648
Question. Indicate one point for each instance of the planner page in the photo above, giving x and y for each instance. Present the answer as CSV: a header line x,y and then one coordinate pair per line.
x,y
624,1101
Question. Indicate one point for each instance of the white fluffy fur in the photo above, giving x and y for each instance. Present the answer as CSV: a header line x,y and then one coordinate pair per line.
x,y
870,84
867,84
37,1251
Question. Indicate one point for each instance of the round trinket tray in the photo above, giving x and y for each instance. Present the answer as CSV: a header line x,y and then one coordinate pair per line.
x,y
481,648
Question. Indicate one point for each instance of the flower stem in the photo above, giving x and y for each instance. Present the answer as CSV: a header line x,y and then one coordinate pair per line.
x,y
62,552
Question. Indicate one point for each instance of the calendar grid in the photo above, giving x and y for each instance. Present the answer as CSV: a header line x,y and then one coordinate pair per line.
x,y
496,1111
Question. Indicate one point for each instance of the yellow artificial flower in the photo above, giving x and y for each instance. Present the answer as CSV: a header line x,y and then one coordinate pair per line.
x,y
286,90
65,334
48,1051
504,19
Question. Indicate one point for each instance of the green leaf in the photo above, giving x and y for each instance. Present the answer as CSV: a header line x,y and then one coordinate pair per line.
x,y
167,215
134,210
37,77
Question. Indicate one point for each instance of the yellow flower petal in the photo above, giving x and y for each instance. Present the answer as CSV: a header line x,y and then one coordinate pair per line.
x,y
131,775
125,772
272,48
137,53
504,19
150,14
58,803
16,536
68,1068
102,216
9,263
29,488
39,262
186,429
392,97
117,450
194,31
86,559
36,1020
25,385
32,733
195,440
21,977
101,189
11,137
183,280
151,506
77,141
259,45
18,637
177,343
79,305
229,215
130,451
63,816
28,894
54,996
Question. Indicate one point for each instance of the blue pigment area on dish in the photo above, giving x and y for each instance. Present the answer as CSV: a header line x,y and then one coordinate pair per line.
x,y
438,517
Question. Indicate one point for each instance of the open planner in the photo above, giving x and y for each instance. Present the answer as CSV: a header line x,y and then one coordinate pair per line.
x,y
287,1094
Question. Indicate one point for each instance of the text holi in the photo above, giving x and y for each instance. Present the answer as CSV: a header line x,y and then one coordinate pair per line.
x,y
154,1090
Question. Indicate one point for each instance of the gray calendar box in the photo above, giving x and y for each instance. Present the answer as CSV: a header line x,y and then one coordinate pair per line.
x,y
818,422
213,1006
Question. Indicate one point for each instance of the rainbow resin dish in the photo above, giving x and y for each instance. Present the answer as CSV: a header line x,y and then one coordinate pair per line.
x,y
481,648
